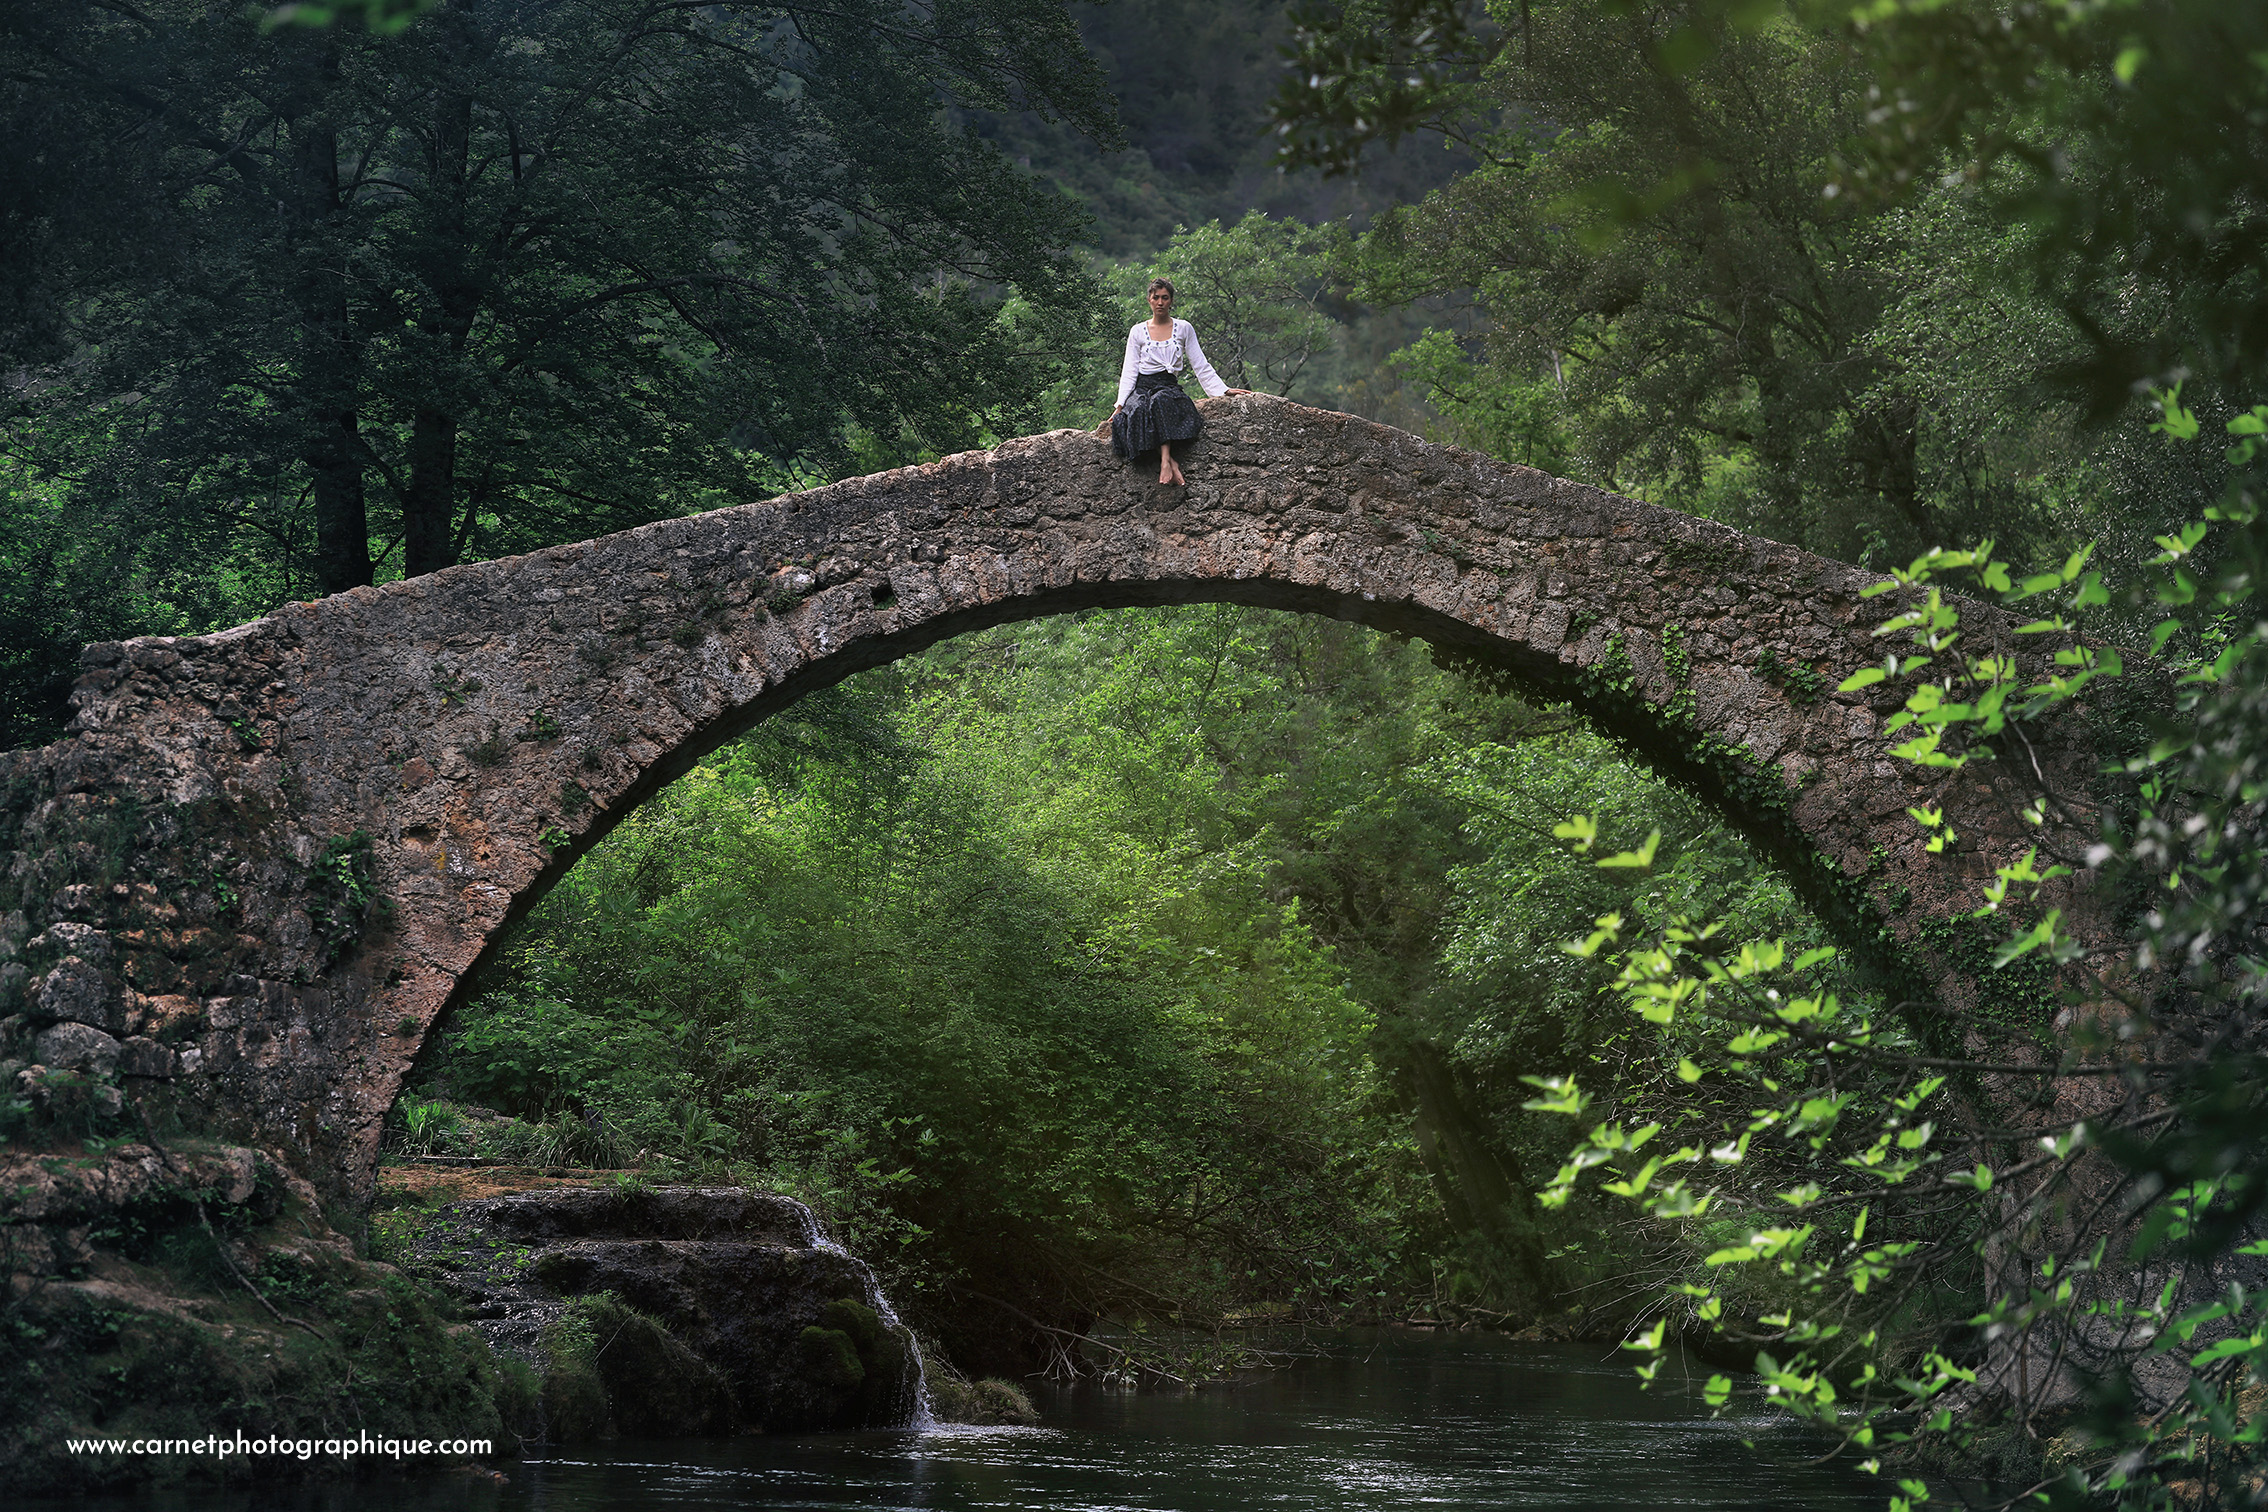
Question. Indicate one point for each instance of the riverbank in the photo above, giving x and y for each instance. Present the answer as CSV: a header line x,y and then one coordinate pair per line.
x,y
199,1294
196,1290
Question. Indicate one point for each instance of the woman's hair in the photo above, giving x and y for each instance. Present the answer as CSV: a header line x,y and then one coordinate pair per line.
x,y
1161,283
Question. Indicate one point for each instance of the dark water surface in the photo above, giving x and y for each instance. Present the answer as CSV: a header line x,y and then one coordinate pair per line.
x,y
1454,1422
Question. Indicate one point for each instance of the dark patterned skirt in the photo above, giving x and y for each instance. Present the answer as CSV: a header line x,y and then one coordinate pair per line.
x,y
1157,411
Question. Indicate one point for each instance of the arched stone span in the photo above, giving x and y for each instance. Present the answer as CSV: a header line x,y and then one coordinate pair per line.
x,y
266,858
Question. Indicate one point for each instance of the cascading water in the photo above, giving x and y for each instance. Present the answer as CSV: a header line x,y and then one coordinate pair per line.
x,y
918,1416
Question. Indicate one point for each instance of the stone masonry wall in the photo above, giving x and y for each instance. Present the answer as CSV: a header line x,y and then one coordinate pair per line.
x,y
263,860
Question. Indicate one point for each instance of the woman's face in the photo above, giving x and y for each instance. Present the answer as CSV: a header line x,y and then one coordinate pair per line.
x,y
1161,304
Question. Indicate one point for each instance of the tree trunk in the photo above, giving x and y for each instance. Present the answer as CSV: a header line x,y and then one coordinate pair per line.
x,y
1889,438
429,501
342,525
427,510
329,364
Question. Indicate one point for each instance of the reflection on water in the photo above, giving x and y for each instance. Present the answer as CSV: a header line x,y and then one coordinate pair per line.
x,y
1457,1422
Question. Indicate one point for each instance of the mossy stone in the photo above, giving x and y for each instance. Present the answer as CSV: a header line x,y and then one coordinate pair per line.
x,y
830,1357
655,1386
574,1397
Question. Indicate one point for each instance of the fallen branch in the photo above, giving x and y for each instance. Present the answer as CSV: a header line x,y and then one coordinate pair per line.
x,y
1073,1334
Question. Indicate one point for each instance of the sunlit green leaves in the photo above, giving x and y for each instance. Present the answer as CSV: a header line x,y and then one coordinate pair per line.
x,y
1637,860
1580,831
1560,1095
1608,931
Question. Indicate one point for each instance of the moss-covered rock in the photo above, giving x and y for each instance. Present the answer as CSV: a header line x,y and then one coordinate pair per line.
x,y
185,1292
720,1296
131,1351
830,1358
655,1386
990,1401
574,1397
857,1371
181,1292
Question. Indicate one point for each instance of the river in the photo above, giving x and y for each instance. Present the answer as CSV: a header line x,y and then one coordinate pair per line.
x,y
1398,1419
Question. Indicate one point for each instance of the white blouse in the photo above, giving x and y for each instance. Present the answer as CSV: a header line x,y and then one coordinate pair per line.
x,y
1144,355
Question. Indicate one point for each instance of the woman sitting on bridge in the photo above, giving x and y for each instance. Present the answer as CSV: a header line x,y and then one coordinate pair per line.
x,y
1153,412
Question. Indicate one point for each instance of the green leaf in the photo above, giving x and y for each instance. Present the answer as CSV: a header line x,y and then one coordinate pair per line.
x,y
2177,422
1561,1095
1639,859
1864,677
1608,932
2042,933
1921,1093
2226,1348
1582,829
1650,1342
1635,1184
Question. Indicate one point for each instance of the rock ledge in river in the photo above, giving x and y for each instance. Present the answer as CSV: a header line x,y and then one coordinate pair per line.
x,y
689,1309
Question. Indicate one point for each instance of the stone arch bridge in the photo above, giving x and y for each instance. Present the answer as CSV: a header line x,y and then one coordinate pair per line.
x,y
262,861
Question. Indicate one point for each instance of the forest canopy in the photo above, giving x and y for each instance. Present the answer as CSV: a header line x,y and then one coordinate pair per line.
x,y
1183,969
289,309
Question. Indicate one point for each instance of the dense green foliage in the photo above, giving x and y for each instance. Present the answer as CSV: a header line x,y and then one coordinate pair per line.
x,y
2095,1180
1020,1039
1690,294
290,310
1175,963
1204,964
1728,251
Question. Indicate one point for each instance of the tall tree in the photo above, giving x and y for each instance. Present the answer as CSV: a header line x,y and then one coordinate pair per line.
x,y
1733,328
533,268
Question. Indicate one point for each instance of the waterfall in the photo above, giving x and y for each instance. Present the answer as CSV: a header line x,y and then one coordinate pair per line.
x,y
919,1418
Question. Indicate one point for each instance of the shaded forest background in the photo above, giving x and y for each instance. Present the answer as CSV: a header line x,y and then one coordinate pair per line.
x,y
1187,967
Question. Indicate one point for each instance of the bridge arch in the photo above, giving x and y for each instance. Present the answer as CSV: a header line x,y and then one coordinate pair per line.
x,y
266,859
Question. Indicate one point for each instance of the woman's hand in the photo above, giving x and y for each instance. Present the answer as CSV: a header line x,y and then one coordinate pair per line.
x,y
1236,391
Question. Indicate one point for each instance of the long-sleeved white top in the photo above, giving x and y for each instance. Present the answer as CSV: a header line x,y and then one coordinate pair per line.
x,y
1144,355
